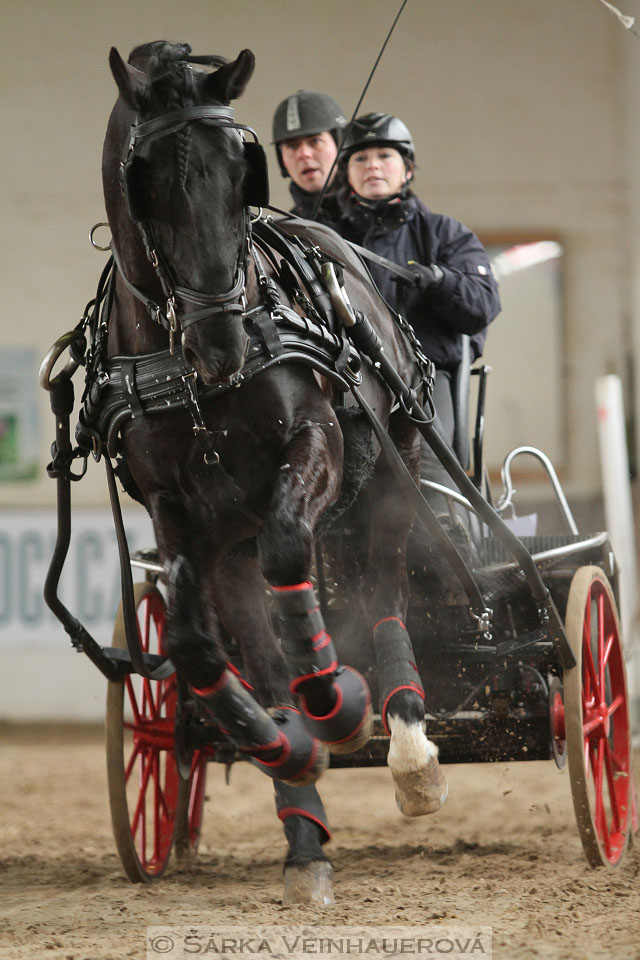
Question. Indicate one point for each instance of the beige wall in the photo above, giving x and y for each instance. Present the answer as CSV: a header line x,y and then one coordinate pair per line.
x,y
521,112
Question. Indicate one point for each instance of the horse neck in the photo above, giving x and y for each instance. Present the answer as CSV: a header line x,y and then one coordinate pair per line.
x,y
132,331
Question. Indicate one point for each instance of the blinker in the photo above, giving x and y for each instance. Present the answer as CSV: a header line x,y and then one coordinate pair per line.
x,y
256,178
133,185
255,189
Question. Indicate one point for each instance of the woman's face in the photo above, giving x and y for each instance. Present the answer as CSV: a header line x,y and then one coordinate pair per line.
x,y
377,172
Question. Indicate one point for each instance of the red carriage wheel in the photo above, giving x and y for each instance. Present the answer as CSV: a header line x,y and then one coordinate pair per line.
x,y
141,766
596,719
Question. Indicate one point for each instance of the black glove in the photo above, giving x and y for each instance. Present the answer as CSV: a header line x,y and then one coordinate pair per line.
x,y
425,277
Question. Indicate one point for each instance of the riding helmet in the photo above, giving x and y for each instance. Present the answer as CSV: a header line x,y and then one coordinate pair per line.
x,y
304,113
377,129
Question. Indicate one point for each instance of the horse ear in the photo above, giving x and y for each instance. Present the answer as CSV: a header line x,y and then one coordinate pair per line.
x,y
229,82
132,83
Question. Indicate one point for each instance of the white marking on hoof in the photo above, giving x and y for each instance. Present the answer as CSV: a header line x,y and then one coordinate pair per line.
x,y
309,884
421,787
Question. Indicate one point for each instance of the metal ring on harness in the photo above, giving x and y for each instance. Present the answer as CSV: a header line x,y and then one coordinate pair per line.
x,y
53,355
95,245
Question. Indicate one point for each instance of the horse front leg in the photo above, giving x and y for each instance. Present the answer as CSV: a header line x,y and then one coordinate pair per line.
x,y
307,870
420,785
240,601
278,742
334,699
238,594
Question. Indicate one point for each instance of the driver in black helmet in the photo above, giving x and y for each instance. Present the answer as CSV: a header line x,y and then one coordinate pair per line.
x,y
307,128
454,291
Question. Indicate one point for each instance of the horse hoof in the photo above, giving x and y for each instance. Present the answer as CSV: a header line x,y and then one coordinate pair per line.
x,y
421,786
421,791
309,884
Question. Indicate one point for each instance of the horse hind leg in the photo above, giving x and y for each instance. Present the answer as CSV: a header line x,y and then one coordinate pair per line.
x,y
420,785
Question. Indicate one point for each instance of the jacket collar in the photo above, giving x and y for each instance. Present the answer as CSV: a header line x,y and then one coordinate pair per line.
x,y
384,214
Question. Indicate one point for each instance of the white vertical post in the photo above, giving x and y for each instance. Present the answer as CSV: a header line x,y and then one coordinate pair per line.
x,y
619,519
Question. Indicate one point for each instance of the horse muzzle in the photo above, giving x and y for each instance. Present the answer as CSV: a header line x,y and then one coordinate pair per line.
x,y
217,354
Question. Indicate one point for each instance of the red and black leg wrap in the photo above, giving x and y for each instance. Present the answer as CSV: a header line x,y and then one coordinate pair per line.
x,y
307,645
347,716
239,716
305,802
300,753
279,744
310,651
397,670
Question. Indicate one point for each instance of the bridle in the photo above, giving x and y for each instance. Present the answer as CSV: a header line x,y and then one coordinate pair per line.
x,y
184,305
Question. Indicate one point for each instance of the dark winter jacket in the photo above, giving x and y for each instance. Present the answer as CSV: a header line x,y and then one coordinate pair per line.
x,y
466,299
304,205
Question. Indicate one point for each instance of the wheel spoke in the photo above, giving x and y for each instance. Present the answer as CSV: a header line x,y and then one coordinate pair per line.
x,y
165,692
149,701
591,676
616,819
592,724
133,700
607,651
615,704
140,810
132,759
597,777
600,645
157,832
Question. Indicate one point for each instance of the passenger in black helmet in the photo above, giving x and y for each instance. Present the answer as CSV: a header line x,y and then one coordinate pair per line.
x,y
307,129
454,291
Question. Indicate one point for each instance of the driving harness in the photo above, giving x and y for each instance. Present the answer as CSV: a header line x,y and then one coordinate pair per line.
x,y
122,388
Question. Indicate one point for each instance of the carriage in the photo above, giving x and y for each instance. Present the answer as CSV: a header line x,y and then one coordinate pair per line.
x,y
519,648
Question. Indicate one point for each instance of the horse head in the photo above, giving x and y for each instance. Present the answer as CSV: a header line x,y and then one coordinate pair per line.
x,y
176,165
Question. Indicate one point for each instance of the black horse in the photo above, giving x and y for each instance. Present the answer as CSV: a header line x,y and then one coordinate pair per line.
x,y
238,472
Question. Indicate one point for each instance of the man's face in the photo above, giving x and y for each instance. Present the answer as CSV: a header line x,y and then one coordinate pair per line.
x,y
308,160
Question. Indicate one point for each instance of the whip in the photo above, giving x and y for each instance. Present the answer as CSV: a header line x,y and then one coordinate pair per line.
x,y
357,107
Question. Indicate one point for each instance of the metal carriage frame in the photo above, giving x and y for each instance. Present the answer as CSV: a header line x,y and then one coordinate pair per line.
x,y
527,662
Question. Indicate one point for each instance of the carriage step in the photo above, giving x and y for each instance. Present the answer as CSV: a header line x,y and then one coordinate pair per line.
x,y
152,660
